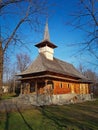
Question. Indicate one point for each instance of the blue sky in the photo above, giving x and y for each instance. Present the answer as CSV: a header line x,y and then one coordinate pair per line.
x,y
61,34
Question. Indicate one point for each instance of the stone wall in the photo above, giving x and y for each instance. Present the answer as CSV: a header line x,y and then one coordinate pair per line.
x,y
60,99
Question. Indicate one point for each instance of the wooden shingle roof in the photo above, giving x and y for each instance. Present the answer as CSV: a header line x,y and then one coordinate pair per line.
x,y
42,64
44,43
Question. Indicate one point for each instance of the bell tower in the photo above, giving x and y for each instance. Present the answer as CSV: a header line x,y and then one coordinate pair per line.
x,y
46,47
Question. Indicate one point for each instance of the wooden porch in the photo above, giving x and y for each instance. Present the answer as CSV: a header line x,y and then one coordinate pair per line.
x,y
51,86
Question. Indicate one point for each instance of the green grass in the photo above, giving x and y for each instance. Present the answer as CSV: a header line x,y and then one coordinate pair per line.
x,y
82,116
8,96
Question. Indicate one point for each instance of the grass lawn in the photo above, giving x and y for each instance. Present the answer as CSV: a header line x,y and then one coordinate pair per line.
x,y
82,116
8,96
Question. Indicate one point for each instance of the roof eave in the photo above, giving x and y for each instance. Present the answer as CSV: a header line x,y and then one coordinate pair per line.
x,y
47,42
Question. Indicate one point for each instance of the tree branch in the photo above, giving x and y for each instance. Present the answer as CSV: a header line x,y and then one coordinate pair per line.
x,y
91,11
8,2
16,28
13,33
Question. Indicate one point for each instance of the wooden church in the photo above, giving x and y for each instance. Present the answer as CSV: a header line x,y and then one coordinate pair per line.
x,y
48,74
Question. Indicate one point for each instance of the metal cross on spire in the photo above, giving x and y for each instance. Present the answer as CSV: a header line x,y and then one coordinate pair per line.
x,y
46,32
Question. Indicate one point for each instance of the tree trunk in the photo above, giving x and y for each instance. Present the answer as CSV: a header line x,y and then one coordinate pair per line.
x,y
1,68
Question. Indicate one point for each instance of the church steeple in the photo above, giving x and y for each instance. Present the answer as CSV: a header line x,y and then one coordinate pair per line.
x,y
46,47
46,32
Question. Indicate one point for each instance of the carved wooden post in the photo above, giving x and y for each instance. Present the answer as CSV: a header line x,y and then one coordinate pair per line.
x,y
21,89
45,90
28,88
36,90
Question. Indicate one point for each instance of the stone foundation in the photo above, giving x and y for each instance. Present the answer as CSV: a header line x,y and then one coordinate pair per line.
x,y
60,99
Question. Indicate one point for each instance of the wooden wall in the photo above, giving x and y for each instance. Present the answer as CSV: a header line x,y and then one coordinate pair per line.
x,y
59,87
67,87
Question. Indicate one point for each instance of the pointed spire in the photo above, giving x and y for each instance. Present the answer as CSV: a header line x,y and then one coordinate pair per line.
x,y
46,33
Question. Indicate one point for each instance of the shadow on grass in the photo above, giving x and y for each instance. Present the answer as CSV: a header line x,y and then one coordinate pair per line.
x,y
67,118
7,118
16,95
8,108
48,114
30,128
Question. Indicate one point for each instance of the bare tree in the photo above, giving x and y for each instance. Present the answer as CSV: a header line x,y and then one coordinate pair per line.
x,y
88,73
1,67
86,19
27,12
81,68
23,60
8,2
93,77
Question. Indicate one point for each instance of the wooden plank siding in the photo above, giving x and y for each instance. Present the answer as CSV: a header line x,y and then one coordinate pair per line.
x,y
61,87
56,87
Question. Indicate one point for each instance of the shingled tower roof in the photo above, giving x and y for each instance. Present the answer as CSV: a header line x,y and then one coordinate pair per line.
x,y
46,33
46,39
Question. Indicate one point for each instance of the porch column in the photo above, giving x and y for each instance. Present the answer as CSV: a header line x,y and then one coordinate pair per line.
x,y
45,89
21,88
45,83
28,88
36,89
